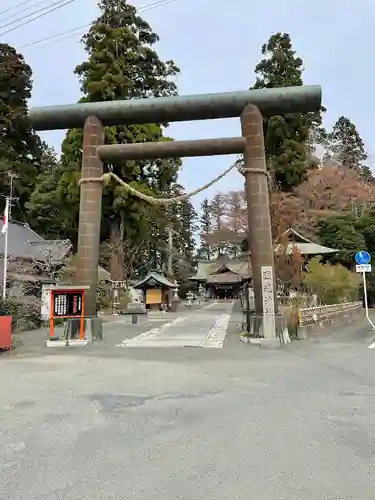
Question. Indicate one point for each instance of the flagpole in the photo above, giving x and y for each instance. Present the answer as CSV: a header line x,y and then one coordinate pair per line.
x,y
5,267
8,207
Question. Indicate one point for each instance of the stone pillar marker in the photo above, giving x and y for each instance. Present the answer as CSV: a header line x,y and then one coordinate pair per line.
x,y
90,209
256,187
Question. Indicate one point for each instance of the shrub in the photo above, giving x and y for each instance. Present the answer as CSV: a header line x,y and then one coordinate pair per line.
x,y
332,284
290,313
24,309
103,296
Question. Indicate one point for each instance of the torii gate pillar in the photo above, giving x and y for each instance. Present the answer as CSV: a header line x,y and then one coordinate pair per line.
x,y
90,212
258,212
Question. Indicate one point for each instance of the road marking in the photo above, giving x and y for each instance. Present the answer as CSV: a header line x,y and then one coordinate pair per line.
x,y
151,333
216,336
372,346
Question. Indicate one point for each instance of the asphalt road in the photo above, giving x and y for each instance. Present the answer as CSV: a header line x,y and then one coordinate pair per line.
x,y
197,424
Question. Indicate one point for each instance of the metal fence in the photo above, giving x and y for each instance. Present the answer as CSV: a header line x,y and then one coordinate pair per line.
x,y
311,315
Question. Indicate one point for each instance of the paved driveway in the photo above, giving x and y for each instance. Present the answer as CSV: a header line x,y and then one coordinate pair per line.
x,y
205,327
202,424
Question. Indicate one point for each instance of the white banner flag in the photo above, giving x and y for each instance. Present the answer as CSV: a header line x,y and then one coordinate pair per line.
x,y
5,218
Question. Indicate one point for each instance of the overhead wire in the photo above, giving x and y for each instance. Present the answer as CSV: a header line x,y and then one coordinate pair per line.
x,y
20,4
46,39
58,5
10,16
26,16
21,211
72,32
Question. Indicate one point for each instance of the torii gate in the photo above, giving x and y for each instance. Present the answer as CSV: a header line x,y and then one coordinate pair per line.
x,y
249,105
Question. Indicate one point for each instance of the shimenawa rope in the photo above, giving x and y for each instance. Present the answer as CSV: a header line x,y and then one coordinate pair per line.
x,y
106,178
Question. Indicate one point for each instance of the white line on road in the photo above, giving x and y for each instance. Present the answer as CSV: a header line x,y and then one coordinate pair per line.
x,y
151,333
216,336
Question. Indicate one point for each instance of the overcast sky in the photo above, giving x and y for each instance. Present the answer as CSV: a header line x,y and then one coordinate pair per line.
x,y
217,45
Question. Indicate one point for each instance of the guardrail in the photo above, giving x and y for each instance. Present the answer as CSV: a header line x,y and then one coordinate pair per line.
x,y
315,318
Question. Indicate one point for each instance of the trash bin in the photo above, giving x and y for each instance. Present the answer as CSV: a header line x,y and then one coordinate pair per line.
x,y
5,333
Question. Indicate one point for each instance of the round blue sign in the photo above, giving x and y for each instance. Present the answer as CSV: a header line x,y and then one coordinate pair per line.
x,y
362,257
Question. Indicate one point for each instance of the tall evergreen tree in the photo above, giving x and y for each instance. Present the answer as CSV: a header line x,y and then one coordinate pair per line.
x,y
218,214
346,147
185,224
205,228
123,64
286,136
52,207
20,148
187,221
367,174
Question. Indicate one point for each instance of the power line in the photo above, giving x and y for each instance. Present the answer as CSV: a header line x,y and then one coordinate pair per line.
x,y
58,5
10,16
20,4
30,14
71,32
55,36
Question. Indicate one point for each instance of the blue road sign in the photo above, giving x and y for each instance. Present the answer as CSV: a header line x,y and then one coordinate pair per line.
x,y
362,257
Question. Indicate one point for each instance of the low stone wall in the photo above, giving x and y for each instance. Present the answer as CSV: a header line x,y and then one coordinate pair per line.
x,y
313,320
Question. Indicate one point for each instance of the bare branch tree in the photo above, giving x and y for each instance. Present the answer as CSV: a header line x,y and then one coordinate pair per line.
x,y
22,293
335,189
51,255
130,254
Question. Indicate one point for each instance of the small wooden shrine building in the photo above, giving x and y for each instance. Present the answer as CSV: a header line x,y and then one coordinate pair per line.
x,y
156,290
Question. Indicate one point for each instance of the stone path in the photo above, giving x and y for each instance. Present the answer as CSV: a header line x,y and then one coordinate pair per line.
x,y
206,327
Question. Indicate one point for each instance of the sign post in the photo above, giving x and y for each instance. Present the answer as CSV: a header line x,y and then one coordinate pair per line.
x,y
269,323
363,266
67,303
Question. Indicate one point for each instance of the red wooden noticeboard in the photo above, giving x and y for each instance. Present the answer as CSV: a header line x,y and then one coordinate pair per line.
x,y
67,302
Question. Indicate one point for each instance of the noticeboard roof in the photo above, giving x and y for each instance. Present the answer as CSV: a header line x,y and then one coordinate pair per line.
x,y
67,288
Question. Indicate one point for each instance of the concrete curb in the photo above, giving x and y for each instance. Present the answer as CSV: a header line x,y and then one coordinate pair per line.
x,y
262,343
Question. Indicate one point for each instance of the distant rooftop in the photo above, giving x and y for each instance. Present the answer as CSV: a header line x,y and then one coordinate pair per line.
x,y
155,279
304,245
25,243
222,270
297,241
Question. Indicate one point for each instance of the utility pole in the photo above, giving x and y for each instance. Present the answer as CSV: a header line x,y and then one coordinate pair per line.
x,y
7,213
170,264
170,252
